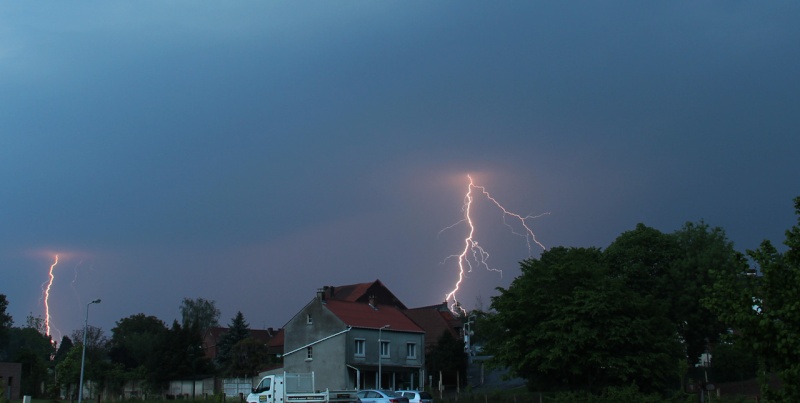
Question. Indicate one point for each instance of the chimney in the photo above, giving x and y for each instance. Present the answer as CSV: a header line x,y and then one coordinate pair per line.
x,y
329,291
320,294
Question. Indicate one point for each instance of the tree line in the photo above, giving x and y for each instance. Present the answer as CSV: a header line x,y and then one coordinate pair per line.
x,y
141,348
643,311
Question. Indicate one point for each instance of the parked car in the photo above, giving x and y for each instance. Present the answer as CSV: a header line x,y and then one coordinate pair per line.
x,y
416,396
381,396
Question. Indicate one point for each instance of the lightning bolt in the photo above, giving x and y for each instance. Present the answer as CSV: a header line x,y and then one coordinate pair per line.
x,y
473,253
47,297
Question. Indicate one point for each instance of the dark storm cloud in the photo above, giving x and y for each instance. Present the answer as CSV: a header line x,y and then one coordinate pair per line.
x,y
252,152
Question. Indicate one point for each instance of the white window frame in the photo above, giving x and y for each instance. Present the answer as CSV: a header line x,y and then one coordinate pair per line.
x,y
386,349
309,319
309,353
411,350
359,348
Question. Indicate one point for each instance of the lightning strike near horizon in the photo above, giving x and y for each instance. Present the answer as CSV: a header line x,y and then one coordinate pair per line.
x,y
47,296
473,253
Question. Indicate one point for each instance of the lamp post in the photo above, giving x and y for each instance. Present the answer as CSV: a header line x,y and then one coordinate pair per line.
x,y
380,356
83,355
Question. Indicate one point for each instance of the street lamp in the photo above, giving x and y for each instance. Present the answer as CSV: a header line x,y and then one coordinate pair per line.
x,y
380,356
83,355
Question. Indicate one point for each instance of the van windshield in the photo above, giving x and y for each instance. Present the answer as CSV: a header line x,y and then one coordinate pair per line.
x,y
263,386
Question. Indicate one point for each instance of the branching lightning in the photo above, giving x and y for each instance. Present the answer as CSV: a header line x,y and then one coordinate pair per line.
x,y
474,254
47,296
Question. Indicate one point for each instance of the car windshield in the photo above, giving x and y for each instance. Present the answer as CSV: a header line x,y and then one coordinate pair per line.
x,y
391,393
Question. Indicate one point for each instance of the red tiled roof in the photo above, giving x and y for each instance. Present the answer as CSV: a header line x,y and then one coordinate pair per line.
x,y
277,339
365,316
363,292
435,322
275,344
351,292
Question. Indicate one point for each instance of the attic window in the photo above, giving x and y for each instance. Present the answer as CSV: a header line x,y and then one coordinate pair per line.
x,y
309,320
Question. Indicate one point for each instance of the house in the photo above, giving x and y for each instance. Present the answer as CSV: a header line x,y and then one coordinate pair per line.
x,y
436,320
10,379
356,337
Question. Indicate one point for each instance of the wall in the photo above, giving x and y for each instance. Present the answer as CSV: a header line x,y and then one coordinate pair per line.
x,y
397,370
328,357
10,377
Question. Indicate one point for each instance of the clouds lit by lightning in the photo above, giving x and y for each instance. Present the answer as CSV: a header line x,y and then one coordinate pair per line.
x,y
474,254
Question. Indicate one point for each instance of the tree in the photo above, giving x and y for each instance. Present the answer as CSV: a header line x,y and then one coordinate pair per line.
x,y
33,350
247,357
643,257
238,330
68,370
96,366
199,314
96,339
568,322
36,322
702,250
63,349
133,340
5,326
179,354
763,308
447,357
732,362
674,268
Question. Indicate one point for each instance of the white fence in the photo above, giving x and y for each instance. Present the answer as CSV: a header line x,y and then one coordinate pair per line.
x,y
234,386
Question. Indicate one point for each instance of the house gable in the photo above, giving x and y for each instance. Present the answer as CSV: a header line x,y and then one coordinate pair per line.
x,y
435,320
374,292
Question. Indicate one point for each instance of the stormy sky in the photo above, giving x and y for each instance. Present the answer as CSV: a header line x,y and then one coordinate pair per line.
x,y
251,152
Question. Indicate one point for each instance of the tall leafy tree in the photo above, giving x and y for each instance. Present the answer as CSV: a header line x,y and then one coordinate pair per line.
x,y
179,355
238,330
133,340
674,269
63,349
568,322
199,315
702,250
763,308
643,258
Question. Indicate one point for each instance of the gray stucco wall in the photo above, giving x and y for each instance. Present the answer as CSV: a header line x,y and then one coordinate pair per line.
x,y
327,360
398,370
397,346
